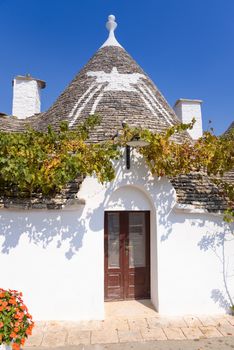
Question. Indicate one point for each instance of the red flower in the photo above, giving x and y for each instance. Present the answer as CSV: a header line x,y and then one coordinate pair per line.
x,y
23,307
13,335
28,331
17,318
15,346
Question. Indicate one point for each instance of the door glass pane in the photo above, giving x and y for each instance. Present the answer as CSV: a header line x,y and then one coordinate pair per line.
x,y
113,240
136,239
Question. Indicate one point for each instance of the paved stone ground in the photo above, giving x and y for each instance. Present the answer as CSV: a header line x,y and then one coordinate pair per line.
x,y
132,330
202,344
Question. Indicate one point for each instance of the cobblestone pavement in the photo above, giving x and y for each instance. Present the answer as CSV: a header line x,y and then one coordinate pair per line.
x,y
132,330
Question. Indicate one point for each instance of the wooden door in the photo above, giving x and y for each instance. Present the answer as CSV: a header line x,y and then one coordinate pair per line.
x,y
127,255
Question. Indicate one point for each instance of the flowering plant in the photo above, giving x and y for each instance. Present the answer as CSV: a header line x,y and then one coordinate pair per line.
x,y
15,322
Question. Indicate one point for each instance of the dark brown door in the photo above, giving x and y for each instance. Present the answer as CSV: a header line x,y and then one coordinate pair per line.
x,y
127,255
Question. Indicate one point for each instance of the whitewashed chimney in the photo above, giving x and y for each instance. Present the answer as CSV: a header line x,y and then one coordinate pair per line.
x,y
26,96
186,110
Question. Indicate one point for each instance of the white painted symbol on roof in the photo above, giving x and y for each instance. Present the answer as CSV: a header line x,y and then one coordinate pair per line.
x,y
117,81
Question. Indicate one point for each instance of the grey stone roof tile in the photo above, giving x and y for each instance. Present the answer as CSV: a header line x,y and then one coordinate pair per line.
x,y
199,190
113,86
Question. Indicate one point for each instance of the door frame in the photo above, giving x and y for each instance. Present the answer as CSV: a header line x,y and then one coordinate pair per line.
x,y
125,276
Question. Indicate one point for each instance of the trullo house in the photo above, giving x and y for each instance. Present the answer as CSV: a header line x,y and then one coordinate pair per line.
x,y
136,237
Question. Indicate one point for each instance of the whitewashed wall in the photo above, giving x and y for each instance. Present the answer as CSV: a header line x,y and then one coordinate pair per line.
x,y
56,258
195,259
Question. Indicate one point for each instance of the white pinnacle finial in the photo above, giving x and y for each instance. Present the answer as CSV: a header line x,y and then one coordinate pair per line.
x,y
111,26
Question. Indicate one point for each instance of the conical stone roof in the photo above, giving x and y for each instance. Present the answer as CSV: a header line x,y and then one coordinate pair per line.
x,y
113,86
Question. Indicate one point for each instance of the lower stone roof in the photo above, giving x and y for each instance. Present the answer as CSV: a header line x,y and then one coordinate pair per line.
x,y
198,190
67,196
12,124
195,189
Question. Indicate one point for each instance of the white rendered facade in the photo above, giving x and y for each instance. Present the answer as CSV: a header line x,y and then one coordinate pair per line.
x,y
56,258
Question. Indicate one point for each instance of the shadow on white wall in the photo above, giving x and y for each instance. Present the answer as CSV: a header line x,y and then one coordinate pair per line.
x,y
42,230
217,243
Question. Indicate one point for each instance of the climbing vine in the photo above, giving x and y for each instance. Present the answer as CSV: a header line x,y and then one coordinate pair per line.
x,y
34,161
165,156
44,162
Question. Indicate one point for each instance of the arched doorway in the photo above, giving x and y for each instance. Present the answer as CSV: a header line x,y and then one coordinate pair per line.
x,y
127,238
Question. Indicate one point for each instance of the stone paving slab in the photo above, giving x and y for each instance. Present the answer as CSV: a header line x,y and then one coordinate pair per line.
x,y
119,324
130,336
104,337
174,333
207,321
35,340
136,324
211,332
54,339
125,330
192,333
226,330
219,320
76,337
155,322
153,334
192,321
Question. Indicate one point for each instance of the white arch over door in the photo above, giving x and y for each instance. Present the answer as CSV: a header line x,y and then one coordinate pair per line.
x,y
131,198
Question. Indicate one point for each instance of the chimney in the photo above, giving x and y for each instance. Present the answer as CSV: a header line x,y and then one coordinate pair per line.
x,y
186,110
26,96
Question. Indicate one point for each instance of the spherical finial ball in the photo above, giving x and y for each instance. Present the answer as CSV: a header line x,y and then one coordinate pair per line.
x,y
111,18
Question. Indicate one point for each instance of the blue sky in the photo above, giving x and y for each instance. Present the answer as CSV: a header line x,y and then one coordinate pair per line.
x,y
185,46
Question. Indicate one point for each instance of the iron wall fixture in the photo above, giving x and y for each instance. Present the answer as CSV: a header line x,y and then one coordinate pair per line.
x,y
134,142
